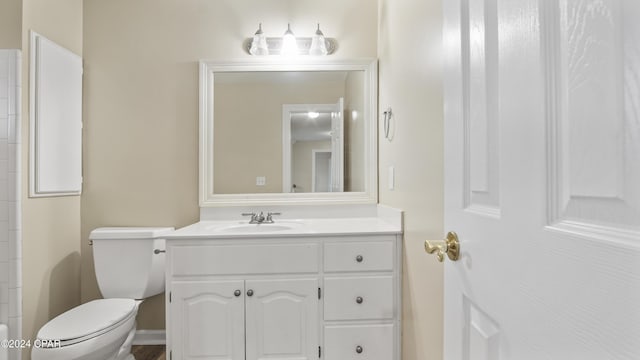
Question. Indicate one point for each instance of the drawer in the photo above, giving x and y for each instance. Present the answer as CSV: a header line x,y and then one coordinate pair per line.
x,y
365,342
358,256
243,259
358,298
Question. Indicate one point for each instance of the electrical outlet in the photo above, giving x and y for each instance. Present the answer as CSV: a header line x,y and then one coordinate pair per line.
x,y
261,180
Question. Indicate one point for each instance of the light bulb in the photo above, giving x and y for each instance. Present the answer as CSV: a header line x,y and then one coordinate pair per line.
x,y
318,44
289,44
259,43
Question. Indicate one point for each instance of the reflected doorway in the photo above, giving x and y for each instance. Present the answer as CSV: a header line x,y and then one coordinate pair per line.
x,y
313,147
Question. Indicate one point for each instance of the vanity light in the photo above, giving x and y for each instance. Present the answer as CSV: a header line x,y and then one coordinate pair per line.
x,y
289,44
318,44
259,43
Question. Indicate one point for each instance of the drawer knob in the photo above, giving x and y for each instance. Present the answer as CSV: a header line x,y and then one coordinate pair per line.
x,y
359,349
249,292
359,299
359,258
237,293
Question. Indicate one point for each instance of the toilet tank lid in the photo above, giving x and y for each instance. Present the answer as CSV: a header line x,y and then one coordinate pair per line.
x,y
87,319
129,232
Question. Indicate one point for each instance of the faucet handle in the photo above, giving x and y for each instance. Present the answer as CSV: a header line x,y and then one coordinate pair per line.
x,y
270,216
253,217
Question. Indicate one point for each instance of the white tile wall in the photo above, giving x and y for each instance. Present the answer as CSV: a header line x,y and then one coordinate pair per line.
x,y
10,207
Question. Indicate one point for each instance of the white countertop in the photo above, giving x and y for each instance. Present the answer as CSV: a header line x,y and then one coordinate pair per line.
x,y
210,229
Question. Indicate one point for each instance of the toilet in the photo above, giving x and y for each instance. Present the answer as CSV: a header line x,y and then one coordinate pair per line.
x,y
129,264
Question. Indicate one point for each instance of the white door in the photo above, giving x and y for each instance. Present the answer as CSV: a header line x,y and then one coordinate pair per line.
x,y
542,132
337,147
282,319
320,170
207,320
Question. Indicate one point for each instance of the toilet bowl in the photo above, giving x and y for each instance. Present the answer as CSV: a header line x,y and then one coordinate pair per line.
x,y
129,268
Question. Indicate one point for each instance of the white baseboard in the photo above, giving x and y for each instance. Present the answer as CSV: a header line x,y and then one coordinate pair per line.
x,y
150,337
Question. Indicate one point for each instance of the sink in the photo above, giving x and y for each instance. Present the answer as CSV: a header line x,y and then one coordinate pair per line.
x,y
258,228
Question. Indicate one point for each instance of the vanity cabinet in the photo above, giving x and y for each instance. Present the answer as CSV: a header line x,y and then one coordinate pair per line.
x,y
231,319
195,338
303,298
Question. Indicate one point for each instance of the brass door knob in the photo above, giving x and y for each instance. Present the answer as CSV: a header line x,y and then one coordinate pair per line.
x,y
449,246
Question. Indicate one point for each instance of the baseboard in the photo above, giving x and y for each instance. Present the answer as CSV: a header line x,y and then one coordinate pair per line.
x,y
150,337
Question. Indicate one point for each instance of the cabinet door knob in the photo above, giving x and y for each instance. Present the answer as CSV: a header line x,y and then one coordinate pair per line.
x,y
359,349
237,293
359,299
359,258
249,292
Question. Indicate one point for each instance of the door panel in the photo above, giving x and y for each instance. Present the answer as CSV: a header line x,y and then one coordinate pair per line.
x,y
480,76
282,319
481,337
594,162
219,339
550,265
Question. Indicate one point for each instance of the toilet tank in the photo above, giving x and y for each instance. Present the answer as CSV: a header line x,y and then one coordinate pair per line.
x,y
129,261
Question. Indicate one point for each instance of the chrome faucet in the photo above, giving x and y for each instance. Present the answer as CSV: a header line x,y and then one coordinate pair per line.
x,y
260,218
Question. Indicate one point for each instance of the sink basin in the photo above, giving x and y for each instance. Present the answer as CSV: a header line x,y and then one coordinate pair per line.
x,y
259,228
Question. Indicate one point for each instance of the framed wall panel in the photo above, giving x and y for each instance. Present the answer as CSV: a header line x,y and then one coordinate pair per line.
x,y
55,132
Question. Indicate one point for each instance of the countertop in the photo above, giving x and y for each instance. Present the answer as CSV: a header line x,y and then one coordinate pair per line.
x,y
287,228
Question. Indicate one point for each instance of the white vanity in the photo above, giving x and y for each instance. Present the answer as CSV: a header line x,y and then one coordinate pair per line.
x,y
295,289
323,280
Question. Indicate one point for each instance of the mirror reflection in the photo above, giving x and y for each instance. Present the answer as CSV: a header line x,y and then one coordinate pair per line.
x,y
288,132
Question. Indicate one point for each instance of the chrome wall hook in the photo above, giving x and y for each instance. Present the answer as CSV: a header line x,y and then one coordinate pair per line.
x,y
387,122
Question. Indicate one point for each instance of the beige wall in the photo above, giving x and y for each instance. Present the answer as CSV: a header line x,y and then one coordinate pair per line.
x,y
10,24
248,131
410,82
141,100
51,226
354,146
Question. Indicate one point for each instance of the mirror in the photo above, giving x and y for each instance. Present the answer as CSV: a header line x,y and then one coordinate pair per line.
x,y
283,133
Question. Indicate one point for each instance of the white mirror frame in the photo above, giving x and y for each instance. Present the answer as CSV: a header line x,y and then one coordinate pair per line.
x,y
208,69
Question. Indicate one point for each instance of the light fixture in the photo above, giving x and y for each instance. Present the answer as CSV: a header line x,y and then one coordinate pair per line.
x,y
259,43
318,44
313,114
289,44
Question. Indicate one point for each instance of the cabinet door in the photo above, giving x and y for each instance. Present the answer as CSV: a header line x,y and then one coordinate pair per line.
x,y
207,320
282,319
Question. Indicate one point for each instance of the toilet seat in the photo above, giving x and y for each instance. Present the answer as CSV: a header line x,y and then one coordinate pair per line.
x,y
88,320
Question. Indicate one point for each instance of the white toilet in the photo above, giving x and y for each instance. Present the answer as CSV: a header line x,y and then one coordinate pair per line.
x,y
129,265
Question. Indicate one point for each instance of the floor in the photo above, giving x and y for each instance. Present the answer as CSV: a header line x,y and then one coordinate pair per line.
x,y
148,352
